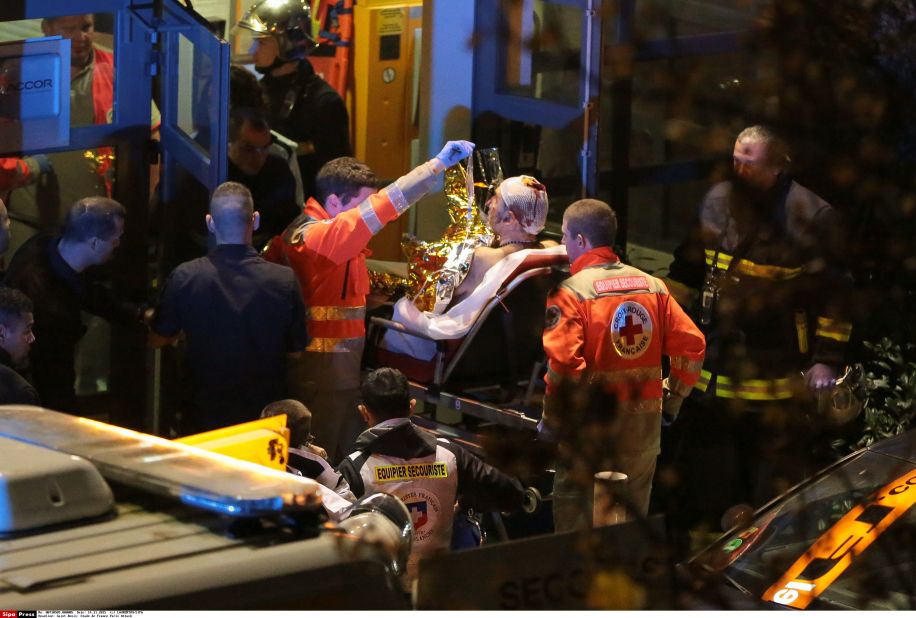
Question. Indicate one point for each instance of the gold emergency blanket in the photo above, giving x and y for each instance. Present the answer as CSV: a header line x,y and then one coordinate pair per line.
x,y
435,269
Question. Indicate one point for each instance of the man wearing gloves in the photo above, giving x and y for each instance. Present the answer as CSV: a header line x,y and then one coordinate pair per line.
x,y
326,247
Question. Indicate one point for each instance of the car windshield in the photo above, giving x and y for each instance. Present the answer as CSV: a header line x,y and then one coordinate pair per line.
x,y
847,539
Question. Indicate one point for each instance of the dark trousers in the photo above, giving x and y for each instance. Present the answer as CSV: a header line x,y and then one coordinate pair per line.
x,y
721,453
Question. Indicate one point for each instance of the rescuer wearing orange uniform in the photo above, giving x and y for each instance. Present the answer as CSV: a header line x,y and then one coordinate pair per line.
x,y
326,247
610,324
16,173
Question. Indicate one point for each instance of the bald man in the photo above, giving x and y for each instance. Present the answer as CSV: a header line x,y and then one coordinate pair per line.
x,y
242,317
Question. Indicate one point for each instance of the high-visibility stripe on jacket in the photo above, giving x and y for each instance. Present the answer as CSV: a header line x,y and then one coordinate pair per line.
x,y
780,304
328,255
753,390
613,323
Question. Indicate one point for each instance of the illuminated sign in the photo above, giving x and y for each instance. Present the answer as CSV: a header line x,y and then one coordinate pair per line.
x,y
29,87
837,548
34,95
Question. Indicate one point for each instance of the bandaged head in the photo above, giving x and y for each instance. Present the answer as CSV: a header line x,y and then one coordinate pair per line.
x,y
526,198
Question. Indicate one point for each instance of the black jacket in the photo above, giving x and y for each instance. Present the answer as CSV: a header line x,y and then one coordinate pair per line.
x,y
318,115
60,295
480,485
774,258
13,387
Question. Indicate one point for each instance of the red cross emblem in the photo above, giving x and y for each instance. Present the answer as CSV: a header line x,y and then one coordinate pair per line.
x,y
630,330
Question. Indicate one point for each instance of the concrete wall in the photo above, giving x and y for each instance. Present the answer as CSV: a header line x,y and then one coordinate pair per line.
x,y
445,95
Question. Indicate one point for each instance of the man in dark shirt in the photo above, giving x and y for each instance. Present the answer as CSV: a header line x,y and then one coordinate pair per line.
x,y
303,107
241,316
266,175
15,340
56,274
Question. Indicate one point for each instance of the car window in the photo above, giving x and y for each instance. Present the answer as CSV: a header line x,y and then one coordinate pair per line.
x,y
865,503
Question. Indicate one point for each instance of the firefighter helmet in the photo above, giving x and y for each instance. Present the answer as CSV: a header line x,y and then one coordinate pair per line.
x,y
287,21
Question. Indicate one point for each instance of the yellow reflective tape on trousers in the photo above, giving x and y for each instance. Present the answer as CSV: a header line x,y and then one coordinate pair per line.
x,y
832,554
334,344
323,313
752,269
753,390
833,329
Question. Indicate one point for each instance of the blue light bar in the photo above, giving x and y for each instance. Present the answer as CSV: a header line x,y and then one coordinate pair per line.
x,y
196,477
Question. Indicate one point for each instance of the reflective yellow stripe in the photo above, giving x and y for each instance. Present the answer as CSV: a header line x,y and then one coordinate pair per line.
x,y
703,382
722,261
335,313
766,271
334,344
801,330
842,337
752,269
754,390
833,329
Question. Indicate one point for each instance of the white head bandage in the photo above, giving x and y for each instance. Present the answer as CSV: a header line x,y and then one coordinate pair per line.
x,y
526,197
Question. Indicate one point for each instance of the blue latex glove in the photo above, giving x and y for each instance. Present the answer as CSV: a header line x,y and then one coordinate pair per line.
x,y
44,163
455,151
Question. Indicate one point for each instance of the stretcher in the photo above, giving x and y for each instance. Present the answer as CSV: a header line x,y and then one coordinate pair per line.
x,y
494,372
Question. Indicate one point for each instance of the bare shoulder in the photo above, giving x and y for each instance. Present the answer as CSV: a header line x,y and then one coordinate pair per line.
x,y
488,255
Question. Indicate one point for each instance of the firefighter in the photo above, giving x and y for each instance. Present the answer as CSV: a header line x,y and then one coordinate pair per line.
x,y
765,264
301,105
326,248
610,324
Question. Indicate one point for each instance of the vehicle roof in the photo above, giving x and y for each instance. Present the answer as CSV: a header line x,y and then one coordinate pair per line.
x,y
194,476
902,446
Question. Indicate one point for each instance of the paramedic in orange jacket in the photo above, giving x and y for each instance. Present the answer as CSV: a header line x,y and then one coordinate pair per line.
x,y
16,173
611,324
326,248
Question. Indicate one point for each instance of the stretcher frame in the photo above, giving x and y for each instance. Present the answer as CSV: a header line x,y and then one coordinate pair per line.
x,y
434,393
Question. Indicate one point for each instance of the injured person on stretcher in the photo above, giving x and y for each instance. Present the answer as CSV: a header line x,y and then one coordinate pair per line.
x,y
516,213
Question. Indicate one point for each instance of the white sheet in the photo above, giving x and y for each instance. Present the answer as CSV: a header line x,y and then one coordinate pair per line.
x,y
457,321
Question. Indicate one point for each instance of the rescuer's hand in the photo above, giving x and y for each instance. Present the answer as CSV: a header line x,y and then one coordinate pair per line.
x,y
671,406
455,151
820,376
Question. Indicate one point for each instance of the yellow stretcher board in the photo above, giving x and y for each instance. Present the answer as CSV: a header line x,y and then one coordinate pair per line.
x,y
837,548
264,441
